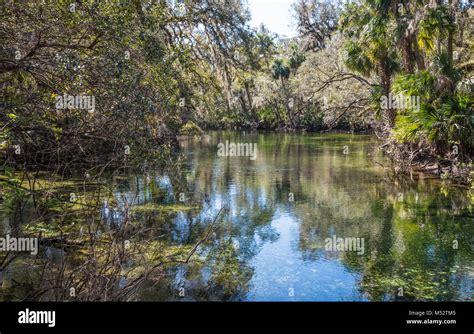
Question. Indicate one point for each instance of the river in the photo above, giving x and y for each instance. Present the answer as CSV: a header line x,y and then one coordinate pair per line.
x,y
280,211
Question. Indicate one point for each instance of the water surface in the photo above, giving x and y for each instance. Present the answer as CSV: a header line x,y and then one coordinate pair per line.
x,y
304,188
268,220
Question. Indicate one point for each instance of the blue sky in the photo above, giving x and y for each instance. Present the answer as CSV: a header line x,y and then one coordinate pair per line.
x,y
275,14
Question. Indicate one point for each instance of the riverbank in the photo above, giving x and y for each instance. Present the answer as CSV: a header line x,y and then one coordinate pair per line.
x,y
422,157
404,159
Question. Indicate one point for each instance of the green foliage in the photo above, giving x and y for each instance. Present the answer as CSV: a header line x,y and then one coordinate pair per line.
x,y
409,49
190,129
280,69
443,123
420,84
12,194
442,119
356,59
230,274
437,23
312,119
296,58
147,67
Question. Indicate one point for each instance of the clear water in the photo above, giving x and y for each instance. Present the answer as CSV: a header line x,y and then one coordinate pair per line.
x,y
304,188
269,242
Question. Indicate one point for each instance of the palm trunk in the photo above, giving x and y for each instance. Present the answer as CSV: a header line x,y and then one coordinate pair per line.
x,y
420,61
408,55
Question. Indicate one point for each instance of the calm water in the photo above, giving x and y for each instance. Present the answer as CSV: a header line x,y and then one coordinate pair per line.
x,y
302,189
268,243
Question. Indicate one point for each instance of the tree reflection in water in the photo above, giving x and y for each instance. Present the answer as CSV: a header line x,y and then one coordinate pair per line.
x,y
268,241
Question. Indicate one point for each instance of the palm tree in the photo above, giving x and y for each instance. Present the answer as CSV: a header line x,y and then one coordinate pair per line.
x,y
369,49
280,71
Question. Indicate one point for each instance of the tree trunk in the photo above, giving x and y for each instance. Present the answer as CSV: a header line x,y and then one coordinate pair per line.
x,y
420,61
249,97
408,55
450,51
385,81
287,103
